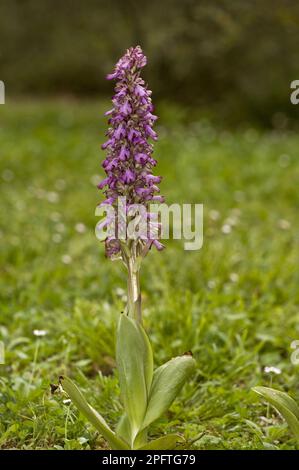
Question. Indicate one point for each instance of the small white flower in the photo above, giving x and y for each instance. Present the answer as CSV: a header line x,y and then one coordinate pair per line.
x,y
56,238
40,332
211,284
66,259
82,440
226,229
232,221
53,197
272,370
284,224
80,228
214,215
234,277
119,291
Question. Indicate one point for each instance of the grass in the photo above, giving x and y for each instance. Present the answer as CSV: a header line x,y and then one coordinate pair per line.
x,y
234,303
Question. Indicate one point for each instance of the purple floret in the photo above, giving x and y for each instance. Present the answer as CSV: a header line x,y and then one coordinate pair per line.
x,y
128,164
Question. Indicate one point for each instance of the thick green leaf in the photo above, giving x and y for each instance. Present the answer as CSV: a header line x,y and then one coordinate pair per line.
x,y
140,440
167,383
92,415
284,404
168,442
135,366
123,429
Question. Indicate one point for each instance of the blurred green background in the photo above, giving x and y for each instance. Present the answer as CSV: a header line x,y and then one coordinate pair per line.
x,y
233,59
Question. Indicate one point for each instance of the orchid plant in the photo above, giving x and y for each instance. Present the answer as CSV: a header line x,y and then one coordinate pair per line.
x,y
146,393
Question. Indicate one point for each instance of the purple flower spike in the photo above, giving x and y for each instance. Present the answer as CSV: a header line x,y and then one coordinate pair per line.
x,y
128,164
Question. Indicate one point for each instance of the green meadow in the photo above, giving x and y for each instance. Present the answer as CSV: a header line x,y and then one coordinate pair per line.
x,y
234,303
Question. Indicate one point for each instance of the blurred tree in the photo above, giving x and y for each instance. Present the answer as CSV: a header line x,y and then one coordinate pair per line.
x,y
236,59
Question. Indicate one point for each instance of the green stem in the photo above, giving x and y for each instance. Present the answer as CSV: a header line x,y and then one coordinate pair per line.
x,y
131,259
134,294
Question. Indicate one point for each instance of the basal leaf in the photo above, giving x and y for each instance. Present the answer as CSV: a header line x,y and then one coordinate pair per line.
x,y
284,404
123,429
168,442
167,383
140,440
135,366
92,415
